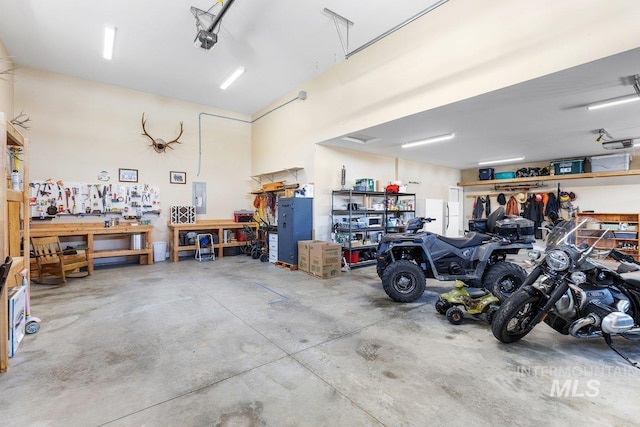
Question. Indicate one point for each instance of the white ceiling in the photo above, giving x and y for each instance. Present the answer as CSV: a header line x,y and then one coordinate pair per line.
x,y
285,43
541,119
282,43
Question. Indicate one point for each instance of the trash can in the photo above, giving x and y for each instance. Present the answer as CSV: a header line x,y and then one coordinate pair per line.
x,y
136,241
159,251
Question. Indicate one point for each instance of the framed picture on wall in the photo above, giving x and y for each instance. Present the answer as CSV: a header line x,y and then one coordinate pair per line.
x,y
128,175
177,177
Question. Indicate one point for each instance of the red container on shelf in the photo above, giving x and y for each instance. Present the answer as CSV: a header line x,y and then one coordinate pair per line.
x,y
242,216
352,257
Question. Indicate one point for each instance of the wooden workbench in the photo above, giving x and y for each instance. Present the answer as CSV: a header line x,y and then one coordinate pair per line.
x,y
213,226
90,230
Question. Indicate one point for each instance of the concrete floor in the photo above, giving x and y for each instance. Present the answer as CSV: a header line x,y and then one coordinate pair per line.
x,y
237,342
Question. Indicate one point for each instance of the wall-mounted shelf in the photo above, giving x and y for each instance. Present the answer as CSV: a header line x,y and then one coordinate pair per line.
x,y
534,179
271,175
283,190
623,239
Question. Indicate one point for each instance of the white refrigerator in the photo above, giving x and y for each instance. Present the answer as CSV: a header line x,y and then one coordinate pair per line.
x,y
447,215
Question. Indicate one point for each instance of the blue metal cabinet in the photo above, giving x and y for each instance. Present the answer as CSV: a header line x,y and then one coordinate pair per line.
x,y
295,222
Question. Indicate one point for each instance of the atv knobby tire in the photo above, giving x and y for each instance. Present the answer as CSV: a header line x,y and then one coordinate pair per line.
x,y
503,279
403,281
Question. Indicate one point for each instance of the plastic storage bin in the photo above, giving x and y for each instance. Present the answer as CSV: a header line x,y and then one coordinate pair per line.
x,y
486,174
610,163
568,167
505,175
625,234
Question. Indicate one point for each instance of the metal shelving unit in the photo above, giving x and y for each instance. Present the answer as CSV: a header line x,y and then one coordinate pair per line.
x,y
361,218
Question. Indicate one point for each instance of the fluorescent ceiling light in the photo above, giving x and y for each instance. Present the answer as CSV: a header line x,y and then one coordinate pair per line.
x,y
109,42
494,162
611,103
440,138
232,77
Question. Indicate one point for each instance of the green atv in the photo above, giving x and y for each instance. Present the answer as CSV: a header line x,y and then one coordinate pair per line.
x,y
475,301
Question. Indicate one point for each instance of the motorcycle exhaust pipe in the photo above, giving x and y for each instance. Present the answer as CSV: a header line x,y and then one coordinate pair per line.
x,y
589,320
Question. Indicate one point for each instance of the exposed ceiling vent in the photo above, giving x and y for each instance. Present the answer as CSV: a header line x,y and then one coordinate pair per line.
x,y
359,138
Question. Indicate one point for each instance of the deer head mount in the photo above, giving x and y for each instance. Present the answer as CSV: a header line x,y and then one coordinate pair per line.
x,y
158,144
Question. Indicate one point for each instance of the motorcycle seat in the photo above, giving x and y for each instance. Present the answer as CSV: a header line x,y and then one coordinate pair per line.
x,y
632,278
470,239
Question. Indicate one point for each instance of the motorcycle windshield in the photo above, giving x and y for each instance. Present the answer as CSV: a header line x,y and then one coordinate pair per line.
x,y
573,233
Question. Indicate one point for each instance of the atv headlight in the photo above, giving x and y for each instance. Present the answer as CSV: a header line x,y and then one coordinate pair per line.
x,y
558,260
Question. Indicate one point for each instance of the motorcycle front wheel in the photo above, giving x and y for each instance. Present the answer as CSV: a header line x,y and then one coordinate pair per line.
x,y
403,281
512,320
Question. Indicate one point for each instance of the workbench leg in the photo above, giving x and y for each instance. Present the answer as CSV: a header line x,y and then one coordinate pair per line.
x,y
175,245
90,253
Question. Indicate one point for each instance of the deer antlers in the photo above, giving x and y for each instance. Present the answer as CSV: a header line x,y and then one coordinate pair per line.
x,y
158,144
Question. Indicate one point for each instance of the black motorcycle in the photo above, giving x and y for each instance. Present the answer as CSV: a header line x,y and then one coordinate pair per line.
x,y
573,293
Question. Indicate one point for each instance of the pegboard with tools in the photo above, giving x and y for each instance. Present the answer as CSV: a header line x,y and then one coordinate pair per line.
x,y
49,199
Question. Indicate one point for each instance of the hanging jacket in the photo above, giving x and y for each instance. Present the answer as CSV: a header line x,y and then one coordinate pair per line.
x,y
552,205
512,207
534,211
478,208
487,206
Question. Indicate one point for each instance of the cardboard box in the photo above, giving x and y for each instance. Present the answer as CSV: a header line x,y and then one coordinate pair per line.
x,y
325,259
304,248
326,271
17,318
273,186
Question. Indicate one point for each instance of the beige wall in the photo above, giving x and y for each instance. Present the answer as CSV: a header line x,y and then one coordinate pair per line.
x,y
79,128
88,127
462,49
6,83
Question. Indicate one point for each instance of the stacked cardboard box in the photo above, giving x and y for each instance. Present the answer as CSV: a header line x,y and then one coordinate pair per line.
x,y
325,260
320,259
304,254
